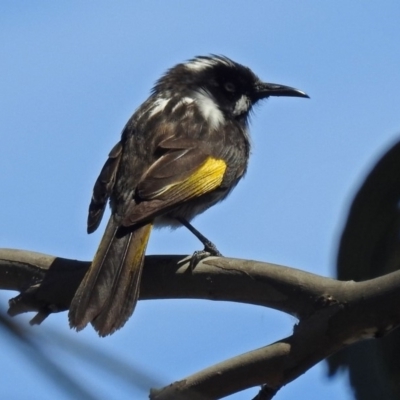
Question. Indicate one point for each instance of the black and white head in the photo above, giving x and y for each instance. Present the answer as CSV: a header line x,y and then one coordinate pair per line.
x,y
221,87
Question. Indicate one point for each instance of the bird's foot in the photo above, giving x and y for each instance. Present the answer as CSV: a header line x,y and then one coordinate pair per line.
x,y
210,250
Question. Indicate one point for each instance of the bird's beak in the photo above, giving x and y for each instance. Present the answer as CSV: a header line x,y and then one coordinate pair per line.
x,y
264,90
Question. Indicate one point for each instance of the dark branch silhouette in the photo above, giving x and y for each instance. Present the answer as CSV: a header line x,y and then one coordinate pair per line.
x,y
370,247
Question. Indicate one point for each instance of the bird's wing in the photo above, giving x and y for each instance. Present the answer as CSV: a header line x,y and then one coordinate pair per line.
x,y
184,171
103,187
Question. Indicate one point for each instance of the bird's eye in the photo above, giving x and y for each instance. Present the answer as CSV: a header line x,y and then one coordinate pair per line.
x,y
229,87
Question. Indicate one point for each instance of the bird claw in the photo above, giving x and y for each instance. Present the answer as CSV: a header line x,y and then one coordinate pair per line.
x,y
210,250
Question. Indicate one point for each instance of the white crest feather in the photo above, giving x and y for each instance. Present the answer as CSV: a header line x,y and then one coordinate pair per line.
x,y
200,63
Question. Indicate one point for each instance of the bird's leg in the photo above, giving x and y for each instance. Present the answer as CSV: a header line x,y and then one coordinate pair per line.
x,y
209,246
210,249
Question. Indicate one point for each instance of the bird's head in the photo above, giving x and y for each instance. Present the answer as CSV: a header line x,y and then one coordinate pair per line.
x,y
217,81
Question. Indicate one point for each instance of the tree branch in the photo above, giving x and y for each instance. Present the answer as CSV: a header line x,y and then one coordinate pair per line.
x,y
47,281
332,314
315,338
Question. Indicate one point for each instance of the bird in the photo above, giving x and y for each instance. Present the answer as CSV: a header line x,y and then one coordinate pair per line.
x,y
182,151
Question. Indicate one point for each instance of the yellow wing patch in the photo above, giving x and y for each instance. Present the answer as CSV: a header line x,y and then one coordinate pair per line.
x,y
207,178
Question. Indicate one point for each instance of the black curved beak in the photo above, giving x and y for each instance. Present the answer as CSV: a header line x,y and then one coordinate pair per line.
x,y
264,90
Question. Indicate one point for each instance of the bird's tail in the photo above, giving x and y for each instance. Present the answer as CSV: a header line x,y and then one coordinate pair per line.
x,y
109,291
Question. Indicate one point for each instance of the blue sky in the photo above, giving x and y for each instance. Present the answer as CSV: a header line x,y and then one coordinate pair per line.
x,y
72,73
